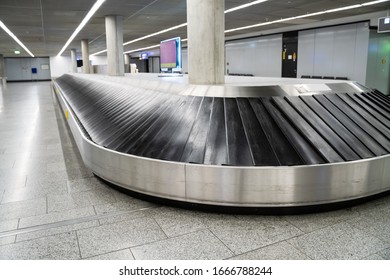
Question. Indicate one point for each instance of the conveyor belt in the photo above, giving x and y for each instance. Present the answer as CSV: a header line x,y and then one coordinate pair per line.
x,y
255,151
262,131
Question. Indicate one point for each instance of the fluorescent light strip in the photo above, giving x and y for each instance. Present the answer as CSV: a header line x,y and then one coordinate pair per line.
x,y
141,49
183,25
244,6
93,10
150,47
254,25
307,15
5,28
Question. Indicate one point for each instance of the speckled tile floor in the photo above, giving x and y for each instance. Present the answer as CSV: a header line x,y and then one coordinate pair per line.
x,y
53,207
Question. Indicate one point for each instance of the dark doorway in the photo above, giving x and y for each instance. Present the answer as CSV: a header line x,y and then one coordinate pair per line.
x,y
290,54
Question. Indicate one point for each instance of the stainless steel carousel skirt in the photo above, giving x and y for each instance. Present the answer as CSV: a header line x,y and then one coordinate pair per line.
x,y
235,146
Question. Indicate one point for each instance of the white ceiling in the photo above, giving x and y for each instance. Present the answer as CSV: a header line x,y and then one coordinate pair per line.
x,y
45,25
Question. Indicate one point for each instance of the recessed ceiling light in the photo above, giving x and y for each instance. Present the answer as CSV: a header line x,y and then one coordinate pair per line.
x,y
93,10
17,52
5,28
183,25
308,15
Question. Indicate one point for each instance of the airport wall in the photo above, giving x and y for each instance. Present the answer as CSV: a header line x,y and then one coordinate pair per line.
x,y
60,65
260,56
378,63
20,68
337,51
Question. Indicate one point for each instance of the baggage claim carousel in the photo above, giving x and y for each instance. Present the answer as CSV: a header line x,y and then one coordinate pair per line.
x,y
280,146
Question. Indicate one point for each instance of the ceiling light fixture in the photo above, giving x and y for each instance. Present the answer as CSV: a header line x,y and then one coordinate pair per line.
x,y
183,25
141,49
150,47
17,52
93,10
5,28
308,15
244,6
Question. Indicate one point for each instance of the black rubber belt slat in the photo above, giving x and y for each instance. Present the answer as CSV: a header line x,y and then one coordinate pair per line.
x,y
353,127
216,150
299,145
366,115
360,121
383,108
153,147
376,112
380,96
145,123
261,149
141,137
132,119
173,150
308,131
351,140
237,143
325,130
195,146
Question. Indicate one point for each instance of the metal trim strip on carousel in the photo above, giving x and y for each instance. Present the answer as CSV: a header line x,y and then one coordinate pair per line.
x,y
232,186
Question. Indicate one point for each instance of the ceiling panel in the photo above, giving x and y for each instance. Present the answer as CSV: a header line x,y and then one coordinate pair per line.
x,y
45,25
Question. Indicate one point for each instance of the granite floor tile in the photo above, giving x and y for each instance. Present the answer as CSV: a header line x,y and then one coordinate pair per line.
x,y
9,182
56,217
54,167
374,224
385,254
117,255
248,233
47,178
86,184
56,230
123,216
6,163
178,221
7,240
374,257
311,222
113,237
380,206
79,199
278,251
128,205
7,225
62,246
28,193
200,245
338,242
22,209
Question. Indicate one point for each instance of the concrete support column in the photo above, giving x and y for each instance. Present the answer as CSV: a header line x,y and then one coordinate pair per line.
x,y
3,79
127,58
73,59
85,54
127,62
206,41
114,39
2,66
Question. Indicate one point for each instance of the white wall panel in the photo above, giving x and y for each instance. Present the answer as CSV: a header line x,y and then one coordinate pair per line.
x,y
344,50
361,53
323,52
338,51
306,44
60,65
260,56
20,69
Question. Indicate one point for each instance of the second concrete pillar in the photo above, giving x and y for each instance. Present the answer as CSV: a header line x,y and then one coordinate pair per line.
x,y
206,41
